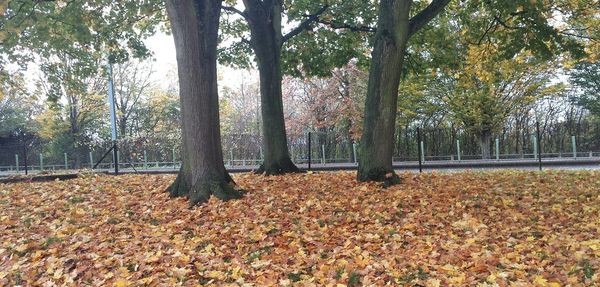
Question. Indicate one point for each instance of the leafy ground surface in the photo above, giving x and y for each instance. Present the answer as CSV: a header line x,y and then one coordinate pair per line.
x,y
505,228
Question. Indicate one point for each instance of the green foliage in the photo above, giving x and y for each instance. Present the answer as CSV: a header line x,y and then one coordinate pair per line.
x,y
17,106
585,77
82,30
339,34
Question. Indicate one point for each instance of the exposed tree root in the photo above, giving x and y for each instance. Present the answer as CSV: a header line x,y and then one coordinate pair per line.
x,y
223,188
387,177
278,168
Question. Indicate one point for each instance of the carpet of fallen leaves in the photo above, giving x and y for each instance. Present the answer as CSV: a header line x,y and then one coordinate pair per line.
x,y
316,229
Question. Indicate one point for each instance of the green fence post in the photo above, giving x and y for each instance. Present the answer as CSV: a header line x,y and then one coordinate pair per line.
x,y
323,150
422,146
66,161
354,152
497,149
91,161
534,141
458,149
145,160
17,162
174,159
573,143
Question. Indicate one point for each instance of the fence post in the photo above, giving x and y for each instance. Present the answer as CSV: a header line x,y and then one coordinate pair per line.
x,y
66,161
118,160
458,149
323,150
538,144
534,141
573,143
354,152
309,151
145,160
230,157
497,149
420,150
25,159
41,162
17,162
91,161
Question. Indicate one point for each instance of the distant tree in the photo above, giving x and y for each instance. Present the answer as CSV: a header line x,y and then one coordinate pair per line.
x,y
310,47
485,92
585,77
131,84
75,107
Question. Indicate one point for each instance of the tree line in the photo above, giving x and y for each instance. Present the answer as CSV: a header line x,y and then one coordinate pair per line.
x,y
476,64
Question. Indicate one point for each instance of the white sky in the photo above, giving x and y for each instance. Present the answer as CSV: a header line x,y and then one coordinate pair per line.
x,y
165,64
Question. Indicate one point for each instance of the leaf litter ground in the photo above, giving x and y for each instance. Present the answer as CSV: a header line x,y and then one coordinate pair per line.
x,y
315,229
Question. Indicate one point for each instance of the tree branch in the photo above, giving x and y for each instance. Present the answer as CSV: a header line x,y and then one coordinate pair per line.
x,y
348,26
422,18
234,10
304,25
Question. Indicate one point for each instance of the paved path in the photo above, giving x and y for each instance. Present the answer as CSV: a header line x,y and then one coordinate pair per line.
x,y
446,165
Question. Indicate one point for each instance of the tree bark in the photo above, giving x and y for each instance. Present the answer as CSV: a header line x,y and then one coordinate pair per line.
x,y
485,141
375,162
264,20
195,28
394,28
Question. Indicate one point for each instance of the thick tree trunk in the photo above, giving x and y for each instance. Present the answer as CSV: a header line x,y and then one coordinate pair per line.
x,y
377,142
266,40
195,26
485,141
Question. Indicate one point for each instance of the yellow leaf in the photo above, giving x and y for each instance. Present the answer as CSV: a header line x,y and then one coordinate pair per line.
x,y
121,283
22,247
540,281
215,275
432,282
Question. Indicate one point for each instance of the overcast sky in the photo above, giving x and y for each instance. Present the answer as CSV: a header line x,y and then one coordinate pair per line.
x,y
165,63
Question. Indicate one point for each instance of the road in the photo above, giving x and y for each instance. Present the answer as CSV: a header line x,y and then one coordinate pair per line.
x,y
523,164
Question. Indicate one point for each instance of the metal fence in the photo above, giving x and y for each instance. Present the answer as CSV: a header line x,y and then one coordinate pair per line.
x,y
242,150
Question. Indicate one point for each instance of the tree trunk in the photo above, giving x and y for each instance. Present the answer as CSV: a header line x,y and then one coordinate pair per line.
x,y
485,141
266,40
375,162
394,28
195,27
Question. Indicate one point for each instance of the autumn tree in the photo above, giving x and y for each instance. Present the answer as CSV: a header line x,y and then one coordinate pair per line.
x,y
585,77
131,83
486,92
275,54
195,26
510,26
394,28
74,107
